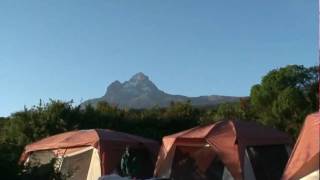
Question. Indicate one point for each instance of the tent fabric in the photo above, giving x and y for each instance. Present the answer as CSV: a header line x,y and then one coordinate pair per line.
x,y
110,145
312,176
305,155
248,170
115,143
82,164
77,166
94,170
40,157
268,162
228,139
62,141
76,163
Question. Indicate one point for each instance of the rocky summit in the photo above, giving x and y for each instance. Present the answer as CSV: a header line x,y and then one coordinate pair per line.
x,y
140,92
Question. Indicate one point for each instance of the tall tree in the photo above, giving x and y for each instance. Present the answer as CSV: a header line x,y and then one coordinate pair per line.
x,y
285,96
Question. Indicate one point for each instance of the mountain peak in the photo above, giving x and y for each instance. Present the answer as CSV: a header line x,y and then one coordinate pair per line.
x,y
139,84
139,77
113,88
140,92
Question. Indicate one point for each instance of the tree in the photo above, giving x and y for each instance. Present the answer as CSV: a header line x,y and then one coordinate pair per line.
x,y
285,96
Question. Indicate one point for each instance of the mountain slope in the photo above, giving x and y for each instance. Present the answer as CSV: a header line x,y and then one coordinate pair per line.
x,y
139,92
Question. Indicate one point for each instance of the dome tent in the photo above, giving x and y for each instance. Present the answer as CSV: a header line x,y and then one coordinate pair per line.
x,y
91,153
224,150
304,160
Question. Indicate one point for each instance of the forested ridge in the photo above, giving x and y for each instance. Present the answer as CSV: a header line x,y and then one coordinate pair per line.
x,y
282,100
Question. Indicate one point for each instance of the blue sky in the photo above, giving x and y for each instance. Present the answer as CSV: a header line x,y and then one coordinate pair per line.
x,y
72,49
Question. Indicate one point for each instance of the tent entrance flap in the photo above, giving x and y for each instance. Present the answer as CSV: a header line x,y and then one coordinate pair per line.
x,y
81,165
200,163
269,161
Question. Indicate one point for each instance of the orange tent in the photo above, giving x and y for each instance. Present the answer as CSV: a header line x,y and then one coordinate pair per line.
x,y
95,152
239,150
304,160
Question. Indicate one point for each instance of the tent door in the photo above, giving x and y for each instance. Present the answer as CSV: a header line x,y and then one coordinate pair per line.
x,y
248,171
82,165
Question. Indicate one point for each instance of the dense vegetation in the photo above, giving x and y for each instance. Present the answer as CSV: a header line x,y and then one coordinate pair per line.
x,y
282,100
